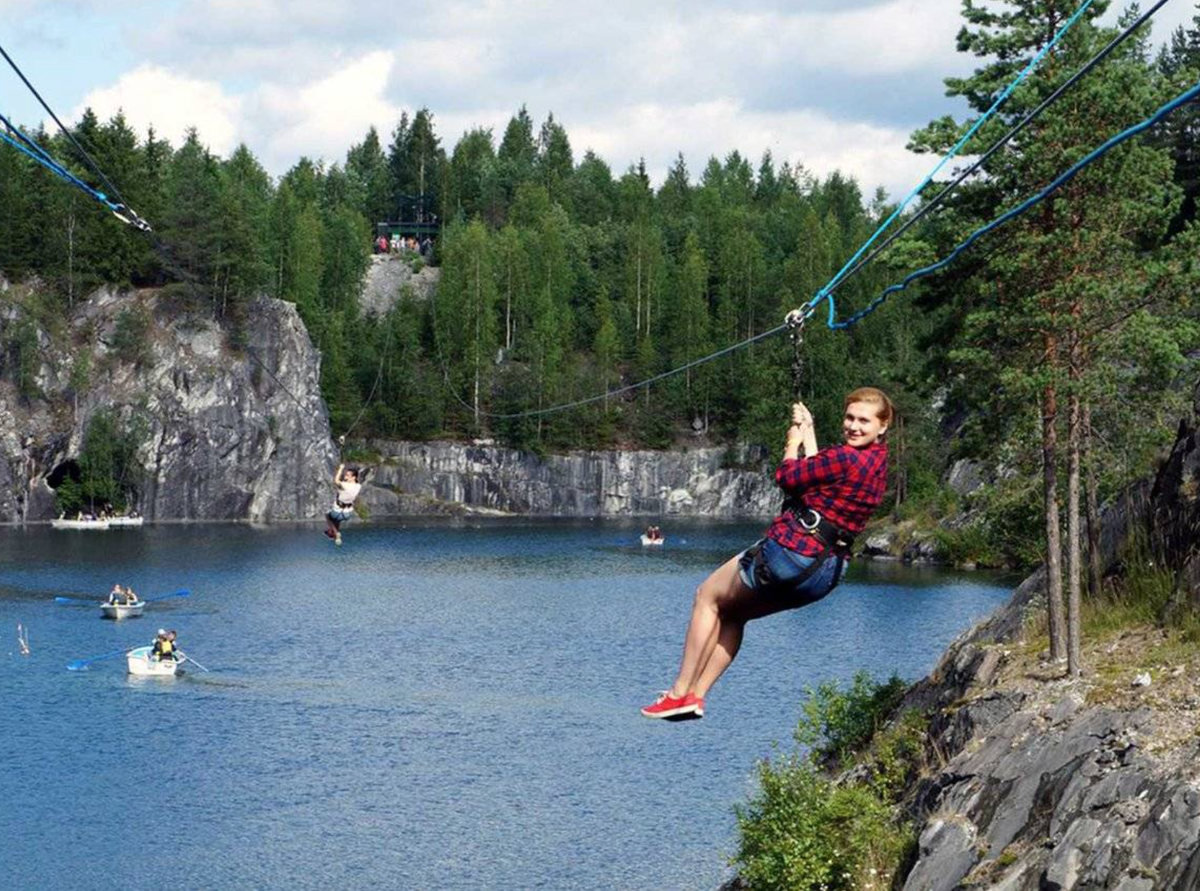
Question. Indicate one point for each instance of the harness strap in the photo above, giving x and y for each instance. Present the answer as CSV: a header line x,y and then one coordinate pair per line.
x,y
831,536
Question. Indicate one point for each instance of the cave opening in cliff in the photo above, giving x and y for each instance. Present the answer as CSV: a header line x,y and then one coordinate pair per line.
x,y
68,469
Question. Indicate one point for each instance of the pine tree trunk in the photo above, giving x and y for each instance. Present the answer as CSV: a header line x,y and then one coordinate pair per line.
x,y
71,259
1092,507
1054,592
1074,538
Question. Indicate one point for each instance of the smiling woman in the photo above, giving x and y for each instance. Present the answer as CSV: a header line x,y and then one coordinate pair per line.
x,y
830,495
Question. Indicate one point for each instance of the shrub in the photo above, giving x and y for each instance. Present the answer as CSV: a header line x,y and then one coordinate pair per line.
x,y
838,722
130,340
804,830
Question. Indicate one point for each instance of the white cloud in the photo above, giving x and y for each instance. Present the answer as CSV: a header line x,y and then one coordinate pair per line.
x,y
324,117
831,84
871,154
170,102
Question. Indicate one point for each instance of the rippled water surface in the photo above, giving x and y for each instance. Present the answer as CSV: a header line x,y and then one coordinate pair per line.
x,y
429,706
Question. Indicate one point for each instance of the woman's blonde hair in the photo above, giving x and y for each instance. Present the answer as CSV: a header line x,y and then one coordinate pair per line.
x,y
884,410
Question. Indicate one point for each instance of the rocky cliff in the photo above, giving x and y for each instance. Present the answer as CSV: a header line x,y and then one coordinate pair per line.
x,y
388,276
439,476
229,433
1048,783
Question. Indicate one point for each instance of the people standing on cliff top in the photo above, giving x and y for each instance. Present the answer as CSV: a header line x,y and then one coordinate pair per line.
x,y
348,487
829,495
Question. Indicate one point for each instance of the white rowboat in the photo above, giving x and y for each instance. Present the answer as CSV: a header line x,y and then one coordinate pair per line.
x,y
653,542
141,663
125,522
79,524
122,610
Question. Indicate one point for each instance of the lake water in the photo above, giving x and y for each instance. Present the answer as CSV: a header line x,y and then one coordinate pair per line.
x,y
430,706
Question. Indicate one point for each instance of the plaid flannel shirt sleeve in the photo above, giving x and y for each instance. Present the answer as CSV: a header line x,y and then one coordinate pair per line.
x,y
826,466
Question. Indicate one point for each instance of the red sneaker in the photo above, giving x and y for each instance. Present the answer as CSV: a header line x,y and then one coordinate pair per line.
x,y
667,706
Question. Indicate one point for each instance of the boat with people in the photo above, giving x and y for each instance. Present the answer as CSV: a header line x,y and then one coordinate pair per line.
x,y
142,662
125,522
119,610
79,523
653,537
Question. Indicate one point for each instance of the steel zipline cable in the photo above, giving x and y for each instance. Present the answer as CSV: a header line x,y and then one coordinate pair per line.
x,y
1185,98
852,266
935,202
120,207
798,317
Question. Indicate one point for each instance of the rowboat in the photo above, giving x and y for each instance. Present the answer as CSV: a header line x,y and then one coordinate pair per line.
x,y
79,524
648,542
125,522
141,663
122,610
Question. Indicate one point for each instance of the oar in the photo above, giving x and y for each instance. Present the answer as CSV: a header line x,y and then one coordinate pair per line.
x,y
82,664
193,661
183,592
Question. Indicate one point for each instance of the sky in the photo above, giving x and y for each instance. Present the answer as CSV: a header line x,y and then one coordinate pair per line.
x,y
828,84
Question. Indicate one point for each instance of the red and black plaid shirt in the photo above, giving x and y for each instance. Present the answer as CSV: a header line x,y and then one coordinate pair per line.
x,y
841,483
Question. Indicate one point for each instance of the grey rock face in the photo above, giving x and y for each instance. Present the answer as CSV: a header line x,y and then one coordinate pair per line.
x,y
430,476
1061,795
879,544
230,434
387,277
965,476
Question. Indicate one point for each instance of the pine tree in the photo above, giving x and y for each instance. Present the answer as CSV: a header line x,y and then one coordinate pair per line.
x,y
555,164
517,155
1054,300
473,184
367,168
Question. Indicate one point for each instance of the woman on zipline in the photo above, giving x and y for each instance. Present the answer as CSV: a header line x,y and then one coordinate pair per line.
x,y
829,497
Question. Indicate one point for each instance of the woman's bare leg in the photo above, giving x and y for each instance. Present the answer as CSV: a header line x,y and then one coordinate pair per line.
x,y
727,646
717,604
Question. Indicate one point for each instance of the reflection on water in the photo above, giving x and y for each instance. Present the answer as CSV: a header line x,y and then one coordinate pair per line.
x,y
449,704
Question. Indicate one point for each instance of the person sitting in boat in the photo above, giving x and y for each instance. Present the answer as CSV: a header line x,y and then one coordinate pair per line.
x,y
345,480
130,597
164,645
116,594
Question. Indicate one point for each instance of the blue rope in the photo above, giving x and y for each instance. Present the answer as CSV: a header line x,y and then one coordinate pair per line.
x,y
1183,99
824,293
38,154
54,167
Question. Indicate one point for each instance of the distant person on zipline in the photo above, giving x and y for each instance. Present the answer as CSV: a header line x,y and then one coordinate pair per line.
x,y
347,486
829,495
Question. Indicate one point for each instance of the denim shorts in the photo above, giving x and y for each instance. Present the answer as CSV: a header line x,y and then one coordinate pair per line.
x,y
340,516
770,569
